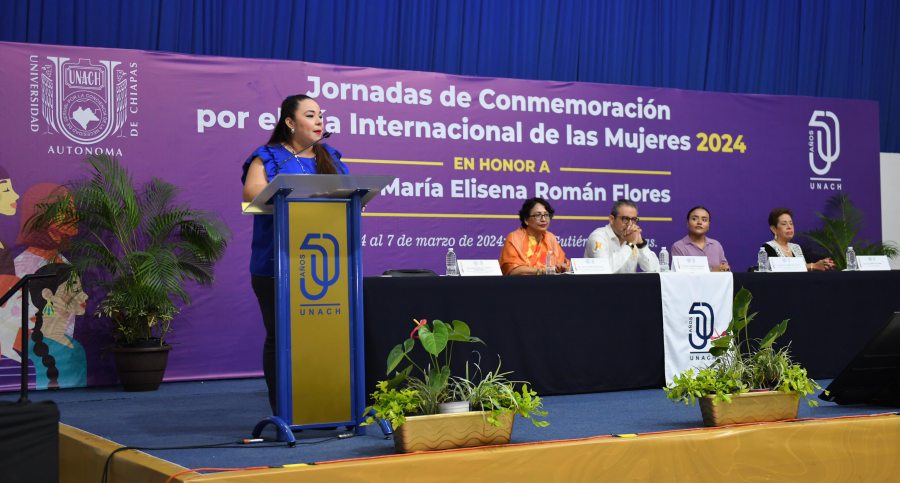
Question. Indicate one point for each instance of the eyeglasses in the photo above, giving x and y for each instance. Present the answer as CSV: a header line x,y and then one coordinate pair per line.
x,y
539,216
628,219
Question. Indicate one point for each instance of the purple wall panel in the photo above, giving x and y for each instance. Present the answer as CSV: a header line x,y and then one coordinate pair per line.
x,y
156,111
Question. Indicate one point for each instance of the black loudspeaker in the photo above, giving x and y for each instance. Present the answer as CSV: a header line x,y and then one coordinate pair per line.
x,y
874,374
29,442
29,432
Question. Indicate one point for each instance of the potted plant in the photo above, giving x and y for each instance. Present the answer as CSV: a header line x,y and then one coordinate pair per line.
x,y
411,402
141,247
497,396
841,223
749,380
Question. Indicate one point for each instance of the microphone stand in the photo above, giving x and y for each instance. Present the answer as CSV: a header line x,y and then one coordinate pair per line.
x,y
325,136
23,285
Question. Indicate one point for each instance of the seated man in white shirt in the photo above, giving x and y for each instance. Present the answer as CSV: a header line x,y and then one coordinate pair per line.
x,y
621,242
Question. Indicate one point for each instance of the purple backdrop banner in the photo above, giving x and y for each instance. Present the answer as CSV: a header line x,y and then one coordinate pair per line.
x,y
466,152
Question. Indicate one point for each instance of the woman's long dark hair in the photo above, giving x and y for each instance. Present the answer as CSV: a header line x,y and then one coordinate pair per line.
x,y
282,134
62,271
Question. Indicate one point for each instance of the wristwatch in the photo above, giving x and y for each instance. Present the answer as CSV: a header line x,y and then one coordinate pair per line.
x,y
641,244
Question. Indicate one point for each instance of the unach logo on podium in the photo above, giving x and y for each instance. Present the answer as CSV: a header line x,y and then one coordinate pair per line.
x,y
320,269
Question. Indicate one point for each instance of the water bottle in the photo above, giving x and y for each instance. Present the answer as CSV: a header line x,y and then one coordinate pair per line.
x,y
762,260
452,268
851,259
663,260
550,264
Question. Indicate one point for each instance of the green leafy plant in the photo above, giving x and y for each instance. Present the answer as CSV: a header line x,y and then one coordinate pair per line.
x,y
141,245
496,394
742,364
437,340
409,393
841,223
392,405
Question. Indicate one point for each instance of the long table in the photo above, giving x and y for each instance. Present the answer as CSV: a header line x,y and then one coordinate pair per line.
x,y
572,334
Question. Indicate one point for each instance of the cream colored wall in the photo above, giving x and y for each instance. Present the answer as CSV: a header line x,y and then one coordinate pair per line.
x,y
890,200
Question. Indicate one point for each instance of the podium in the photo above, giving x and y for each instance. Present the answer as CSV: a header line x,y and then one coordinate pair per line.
x,y
320,363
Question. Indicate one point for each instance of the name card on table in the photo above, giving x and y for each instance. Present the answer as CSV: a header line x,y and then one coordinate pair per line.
x,y
870,263
690,264
589,266
477,268
787,264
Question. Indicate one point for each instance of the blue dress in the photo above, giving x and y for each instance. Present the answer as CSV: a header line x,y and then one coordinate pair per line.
x,y
277,159
70,362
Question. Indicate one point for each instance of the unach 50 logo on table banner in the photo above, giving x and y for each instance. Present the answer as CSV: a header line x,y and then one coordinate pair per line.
x,y
703,320
319,270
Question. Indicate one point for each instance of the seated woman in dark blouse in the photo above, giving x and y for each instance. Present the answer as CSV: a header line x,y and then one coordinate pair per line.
x,y
781,223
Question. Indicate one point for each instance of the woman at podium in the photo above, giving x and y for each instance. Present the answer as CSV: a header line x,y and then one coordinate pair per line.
x,y
532,249
295,147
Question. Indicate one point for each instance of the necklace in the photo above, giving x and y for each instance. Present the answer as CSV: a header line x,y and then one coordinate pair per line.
x,y
291,150
785,249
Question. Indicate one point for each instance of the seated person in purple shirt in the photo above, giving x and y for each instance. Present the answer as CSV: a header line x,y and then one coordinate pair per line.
x,y
697,244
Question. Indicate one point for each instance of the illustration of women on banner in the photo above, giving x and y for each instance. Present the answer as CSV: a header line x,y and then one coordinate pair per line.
x,y
58,358
10,312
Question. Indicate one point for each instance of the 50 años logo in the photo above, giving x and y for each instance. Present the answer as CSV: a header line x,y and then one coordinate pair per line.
x,y
827,144
323,268
824,142
704,322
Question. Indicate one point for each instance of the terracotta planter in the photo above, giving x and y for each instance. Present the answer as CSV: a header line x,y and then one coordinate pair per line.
x,y
141,368
445,431
750,407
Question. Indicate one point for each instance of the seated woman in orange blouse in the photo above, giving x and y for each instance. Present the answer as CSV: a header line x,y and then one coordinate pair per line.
x,y
526,249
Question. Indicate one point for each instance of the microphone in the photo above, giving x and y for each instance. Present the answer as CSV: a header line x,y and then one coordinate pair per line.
x,y
325,135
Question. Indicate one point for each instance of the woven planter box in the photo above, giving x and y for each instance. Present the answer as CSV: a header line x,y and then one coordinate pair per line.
x,y
750,407
446,431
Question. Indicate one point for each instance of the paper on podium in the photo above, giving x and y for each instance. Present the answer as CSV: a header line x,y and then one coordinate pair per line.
x,y
247,208
304,186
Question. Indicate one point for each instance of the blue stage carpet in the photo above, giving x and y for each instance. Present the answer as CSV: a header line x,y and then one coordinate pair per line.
x,y
203,413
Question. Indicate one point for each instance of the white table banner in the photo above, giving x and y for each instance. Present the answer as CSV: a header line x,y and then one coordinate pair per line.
x,y
696,309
